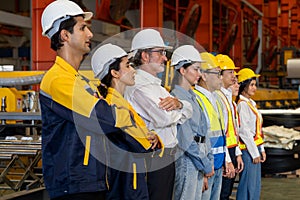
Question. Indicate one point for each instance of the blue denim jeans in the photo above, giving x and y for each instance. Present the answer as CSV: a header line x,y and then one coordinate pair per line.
x,y
250,179
214,186
188,180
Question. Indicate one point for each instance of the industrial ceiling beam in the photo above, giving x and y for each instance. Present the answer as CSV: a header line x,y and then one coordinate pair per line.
x,y
15,20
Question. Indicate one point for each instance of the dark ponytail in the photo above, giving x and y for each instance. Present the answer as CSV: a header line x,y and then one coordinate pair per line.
x,y
106,81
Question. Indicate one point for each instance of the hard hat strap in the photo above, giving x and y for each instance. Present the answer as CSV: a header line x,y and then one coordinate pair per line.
x,y
55,26
182,63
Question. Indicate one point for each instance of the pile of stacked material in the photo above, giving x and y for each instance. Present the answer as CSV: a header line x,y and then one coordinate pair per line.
x,y
280,137
282,140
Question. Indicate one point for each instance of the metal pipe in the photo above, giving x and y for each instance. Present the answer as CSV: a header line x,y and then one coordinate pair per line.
x,y
260,35
28,80
253,8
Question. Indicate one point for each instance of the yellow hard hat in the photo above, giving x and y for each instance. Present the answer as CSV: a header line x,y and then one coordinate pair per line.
x,y
210,61
225,62
245,74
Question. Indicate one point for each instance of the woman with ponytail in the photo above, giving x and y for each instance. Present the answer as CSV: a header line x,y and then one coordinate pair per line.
x,y
251,137
127,178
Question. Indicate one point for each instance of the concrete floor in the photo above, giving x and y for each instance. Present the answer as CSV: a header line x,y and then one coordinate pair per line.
x,y
280,188
272,189
277,188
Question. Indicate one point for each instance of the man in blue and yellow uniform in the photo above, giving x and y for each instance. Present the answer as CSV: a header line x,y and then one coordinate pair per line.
x,y
74,122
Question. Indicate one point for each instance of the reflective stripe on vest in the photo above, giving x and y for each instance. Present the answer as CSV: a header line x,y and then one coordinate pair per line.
x,y
236,115
215,125
231,132
217,138
258,138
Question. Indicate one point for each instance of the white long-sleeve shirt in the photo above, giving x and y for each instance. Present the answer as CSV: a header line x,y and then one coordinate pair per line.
x,y
248,126
228,94
145,96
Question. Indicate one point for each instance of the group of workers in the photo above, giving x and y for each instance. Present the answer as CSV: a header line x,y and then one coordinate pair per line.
x,y
129,137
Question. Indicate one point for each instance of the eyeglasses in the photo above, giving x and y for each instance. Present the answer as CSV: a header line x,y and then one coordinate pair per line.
x,y
219,73
160,51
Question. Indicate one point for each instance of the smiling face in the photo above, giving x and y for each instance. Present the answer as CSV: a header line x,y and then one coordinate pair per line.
x,y
250,89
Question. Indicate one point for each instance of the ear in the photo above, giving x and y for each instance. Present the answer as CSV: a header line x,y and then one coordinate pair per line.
x,y
115,73
145,57
204,76
182,71
64,35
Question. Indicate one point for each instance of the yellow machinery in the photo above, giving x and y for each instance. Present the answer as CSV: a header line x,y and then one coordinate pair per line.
x,y
276,98
14,97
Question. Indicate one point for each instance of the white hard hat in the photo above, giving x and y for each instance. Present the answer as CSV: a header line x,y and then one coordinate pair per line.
x,y
148,38
105,56
185,54
58,11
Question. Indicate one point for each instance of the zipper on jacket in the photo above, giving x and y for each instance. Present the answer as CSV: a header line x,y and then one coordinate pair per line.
x,y
87,150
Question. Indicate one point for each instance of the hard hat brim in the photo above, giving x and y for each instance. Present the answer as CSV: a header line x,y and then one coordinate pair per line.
x,y
152,47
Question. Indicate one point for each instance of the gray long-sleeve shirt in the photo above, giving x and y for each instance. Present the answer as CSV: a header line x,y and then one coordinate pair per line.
x,y
199,153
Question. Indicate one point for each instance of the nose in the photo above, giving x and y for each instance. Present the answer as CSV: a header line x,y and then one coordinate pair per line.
x,y
164,57
89,33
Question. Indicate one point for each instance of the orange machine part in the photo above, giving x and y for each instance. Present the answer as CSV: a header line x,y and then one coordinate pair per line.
x,y
42,55
191,19
151,13
204,31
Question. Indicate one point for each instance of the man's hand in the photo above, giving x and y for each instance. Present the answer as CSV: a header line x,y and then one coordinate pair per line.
x,y
240,164
229,170
169,103
211,173
97,95
205,184
256,160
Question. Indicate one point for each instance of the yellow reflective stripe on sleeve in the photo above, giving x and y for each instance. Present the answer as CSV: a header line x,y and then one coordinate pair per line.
x,y
87,150
134,176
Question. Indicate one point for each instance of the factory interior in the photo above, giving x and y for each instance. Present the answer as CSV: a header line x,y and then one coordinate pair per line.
x,y
263,35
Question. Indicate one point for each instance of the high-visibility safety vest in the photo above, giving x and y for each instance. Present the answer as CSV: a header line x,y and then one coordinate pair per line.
x,y
259,137
236,115
231,132
217,138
